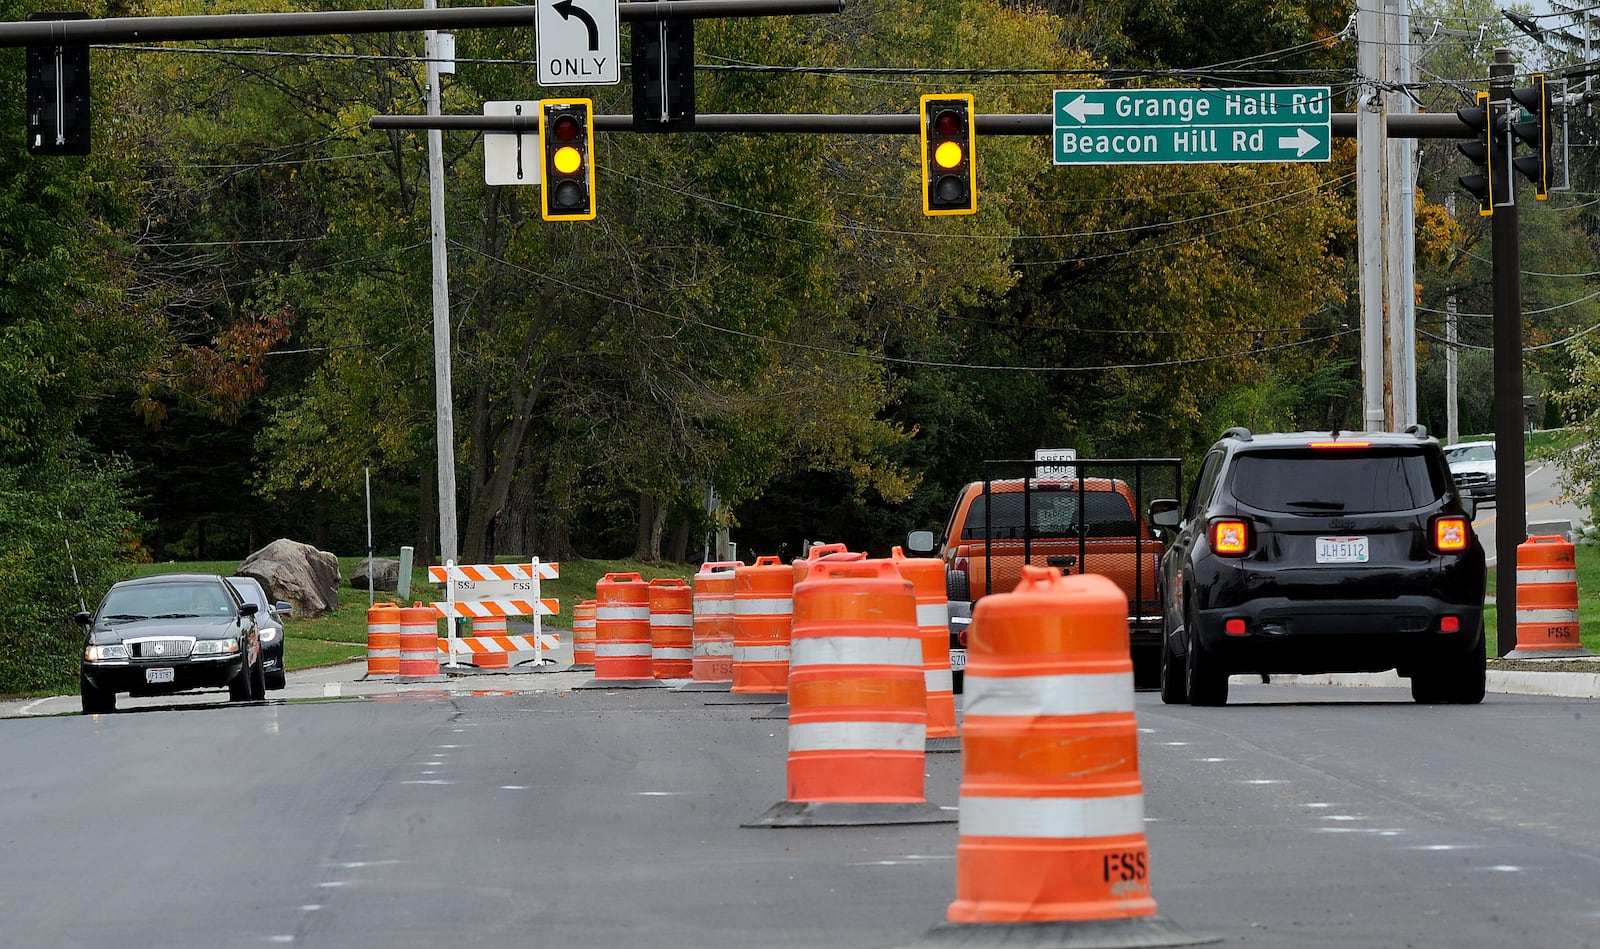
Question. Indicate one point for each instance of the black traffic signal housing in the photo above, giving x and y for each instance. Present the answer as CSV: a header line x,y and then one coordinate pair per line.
x,y
566,136
57,95
949,179
1486,185
1536,131
663,75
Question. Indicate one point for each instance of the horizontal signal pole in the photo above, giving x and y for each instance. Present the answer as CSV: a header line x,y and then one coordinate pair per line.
x,y
1413,125
224,26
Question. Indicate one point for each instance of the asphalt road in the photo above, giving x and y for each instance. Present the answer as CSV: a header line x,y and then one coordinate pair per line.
x,y
551,816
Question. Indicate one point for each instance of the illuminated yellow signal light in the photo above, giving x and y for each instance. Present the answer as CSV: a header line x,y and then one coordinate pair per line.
x,y
949,181
566,134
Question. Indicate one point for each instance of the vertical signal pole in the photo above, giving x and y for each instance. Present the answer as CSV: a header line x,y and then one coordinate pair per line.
x,y
1511,495
443,400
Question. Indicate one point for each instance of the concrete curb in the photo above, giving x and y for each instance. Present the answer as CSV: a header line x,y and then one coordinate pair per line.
x,y
1573,685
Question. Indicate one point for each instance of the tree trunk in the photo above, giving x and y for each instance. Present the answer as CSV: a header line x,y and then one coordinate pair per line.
x,y
652,516
678,546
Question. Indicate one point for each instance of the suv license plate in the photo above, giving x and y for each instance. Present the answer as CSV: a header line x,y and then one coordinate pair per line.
x,y
158,675
1341,550
958,660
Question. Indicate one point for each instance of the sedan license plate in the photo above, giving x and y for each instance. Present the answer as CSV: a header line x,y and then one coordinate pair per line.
x,y
958,660
157,675
1341,550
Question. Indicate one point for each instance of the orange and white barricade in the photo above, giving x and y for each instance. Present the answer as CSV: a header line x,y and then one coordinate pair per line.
x,y
927,576
622,651
1547,600
763,611
583,636
671,628
857,706
419,634
488,593
487,628
383,639
712,665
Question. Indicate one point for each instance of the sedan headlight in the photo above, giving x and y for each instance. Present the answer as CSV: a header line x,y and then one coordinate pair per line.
x,y
97,653
268,634
214,647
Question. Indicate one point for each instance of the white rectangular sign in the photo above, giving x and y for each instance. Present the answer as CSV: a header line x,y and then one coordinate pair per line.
x,y
511,158
579,44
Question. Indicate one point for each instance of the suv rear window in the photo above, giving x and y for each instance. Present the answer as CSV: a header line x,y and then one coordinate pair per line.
x,y
1053,513
1346,481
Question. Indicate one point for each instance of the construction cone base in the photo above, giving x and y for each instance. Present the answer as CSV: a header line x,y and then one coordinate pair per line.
x,y
842,814
1147,931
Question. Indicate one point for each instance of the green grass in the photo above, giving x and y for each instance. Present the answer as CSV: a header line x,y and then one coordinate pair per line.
x,y
341,635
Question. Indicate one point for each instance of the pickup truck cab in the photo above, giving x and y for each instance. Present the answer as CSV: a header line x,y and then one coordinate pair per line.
x,y
1079,518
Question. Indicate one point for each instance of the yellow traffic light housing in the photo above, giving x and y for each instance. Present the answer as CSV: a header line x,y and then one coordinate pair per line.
x,y
566,137
949,179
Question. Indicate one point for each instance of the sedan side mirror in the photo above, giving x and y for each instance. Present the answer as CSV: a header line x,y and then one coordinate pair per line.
x,y
283,606
83,619
248,609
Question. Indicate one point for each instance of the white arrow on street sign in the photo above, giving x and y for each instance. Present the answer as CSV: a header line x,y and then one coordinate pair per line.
x,y
579,44
511,158
1080,108
1302,142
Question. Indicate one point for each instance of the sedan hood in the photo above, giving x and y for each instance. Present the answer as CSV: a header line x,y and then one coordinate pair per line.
x,y
200,627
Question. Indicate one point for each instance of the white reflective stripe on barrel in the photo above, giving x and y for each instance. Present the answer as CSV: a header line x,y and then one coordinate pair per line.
x,y
857,736
1049,695
622,613
721,606
1546,576
671,619
938,680
760,653
1547,616
610,650
758,606
383,628
857,651
1046,817
933,614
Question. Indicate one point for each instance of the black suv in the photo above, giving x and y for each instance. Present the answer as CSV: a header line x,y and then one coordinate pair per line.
x,y
1322,552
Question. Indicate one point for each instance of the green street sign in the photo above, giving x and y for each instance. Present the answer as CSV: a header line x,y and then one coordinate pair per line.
x,y
1192,126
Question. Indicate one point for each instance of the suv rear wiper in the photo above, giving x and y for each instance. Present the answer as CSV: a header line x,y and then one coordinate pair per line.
x,y
1319,505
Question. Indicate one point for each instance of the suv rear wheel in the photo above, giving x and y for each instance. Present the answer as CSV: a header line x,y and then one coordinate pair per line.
x,y
1174,688
1205,683
1462,680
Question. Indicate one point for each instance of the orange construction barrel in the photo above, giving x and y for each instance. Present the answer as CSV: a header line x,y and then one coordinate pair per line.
x,y
583,636
763,611
671,628
1052,807
383,639
1547,599
927,576
622,652
713,622
419,641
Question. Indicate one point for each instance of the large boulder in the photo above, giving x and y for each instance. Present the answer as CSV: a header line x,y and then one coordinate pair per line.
x,y
385,575
300,573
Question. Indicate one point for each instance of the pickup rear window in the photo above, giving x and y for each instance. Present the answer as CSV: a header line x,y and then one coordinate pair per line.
x,y
1316,482
1051,513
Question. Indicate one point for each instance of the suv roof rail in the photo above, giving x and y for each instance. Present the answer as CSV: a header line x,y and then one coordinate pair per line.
x,y
1421,431
1239,432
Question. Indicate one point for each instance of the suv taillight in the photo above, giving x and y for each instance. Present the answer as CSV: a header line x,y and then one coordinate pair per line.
x,y
1451,534
1230,537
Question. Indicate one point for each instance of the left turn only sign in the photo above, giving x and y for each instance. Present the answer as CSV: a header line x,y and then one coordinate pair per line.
x,y
579,44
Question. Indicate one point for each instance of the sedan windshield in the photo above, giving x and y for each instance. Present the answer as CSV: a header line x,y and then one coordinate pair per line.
x,y
165,600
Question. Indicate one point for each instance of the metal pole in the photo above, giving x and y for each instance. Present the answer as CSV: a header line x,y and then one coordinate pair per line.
x,y
1511,495
1369,211
371,586
1452,411
444,404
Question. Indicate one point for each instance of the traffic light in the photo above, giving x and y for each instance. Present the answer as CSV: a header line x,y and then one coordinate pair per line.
x,y
566,133
1535,131
1485,185
663,75
949,182
58,95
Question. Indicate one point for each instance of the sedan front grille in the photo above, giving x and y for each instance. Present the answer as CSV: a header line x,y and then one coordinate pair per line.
x,y
160,648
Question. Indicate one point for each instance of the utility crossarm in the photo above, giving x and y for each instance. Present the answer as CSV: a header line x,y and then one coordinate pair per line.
x,y
222,26
1411,125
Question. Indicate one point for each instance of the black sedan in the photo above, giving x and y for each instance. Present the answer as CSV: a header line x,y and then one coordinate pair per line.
x,y
170,633
269,617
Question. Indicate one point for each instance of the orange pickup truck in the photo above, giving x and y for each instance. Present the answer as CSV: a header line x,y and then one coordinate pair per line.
x,y
1084,517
